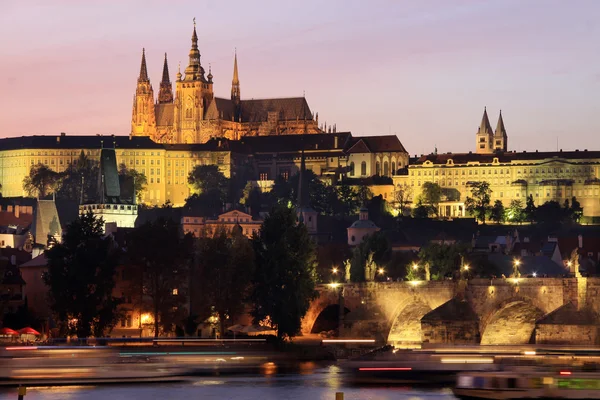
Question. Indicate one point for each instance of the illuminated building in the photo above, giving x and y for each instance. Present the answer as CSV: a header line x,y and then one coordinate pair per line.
x,y
200,226
546,176
194,115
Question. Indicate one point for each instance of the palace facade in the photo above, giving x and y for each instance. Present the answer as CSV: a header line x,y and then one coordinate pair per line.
x,y
194,115
558,175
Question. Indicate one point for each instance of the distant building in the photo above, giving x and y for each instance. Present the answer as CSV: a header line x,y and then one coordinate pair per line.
x,y
361,228
200,226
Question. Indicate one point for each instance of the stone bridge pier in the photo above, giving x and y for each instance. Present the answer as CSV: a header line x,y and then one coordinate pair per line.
x,y
478,311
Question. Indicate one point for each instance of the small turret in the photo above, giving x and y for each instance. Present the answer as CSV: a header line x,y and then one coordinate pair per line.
x,y
235,88
165,94
500,136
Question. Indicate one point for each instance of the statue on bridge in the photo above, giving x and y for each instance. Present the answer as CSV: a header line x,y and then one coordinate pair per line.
x,y
573,264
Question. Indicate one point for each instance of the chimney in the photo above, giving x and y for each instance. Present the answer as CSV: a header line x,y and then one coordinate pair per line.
x,y
13,259
17,211
335,142
580,241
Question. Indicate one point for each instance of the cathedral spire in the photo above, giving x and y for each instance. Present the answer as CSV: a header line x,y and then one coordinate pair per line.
x,y
194,70
500,129
165,94
485,127
235,83
143,70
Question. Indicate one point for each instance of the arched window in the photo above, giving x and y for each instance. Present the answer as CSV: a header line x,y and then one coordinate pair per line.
x,y
385,168
377,168
363,168
188,113
352,169
393,167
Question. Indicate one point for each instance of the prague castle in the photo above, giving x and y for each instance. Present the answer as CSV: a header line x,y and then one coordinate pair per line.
x,y
194,115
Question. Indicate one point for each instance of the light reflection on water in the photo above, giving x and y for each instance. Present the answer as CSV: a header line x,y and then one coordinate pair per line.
x,y
308,383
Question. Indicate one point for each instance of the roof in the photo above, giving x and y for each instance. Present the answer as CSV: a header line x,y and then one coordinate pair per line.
x,y
452,310
39,261
364,224
9,218
165,114
288,108
376,144
46,222
548,249
568,314
295,143
541,265
507,157
77,142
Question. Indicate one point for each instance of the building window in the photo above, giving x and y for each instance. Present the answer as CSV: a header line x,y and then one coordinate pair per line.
x,y
377,168
352,169
264,176
363,168
175,292
385,168
394,168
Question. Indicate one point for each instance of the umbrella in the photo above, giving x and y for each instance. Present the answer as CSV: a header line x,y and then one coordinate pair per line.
x,y
8,331
29,331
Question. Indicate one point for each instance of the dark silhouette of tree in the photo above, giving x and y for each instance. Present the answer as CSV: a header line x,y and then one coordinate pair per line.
x,y
284,278
81,278
225,269
498,212
41,181
442,260
372,253
206,178
133,183
80,180
422,211
530,209
431,195
478,204
162,255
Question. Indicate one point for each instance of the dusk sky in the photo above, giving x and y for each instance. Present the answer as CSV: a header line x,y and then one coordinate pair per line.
x,y
421,69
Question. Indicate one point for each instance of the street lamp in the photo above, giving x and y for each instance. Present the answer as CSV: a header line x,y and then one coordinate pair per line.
x,y
334,270
466,267
380,271
516,272
415,267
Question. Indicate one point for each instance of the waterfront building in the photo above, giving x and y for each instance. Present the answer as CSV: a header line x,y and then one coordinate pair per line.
x,y
547,176
194,115
201,226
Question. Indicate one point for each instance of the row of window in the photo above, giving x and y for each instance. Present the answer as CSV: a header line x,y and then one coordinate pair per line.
x,y
502,171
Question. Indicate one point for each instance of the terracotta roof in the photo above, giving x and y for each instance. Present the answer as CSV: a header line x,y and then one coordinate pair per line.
x,y
9,218
507,157
165,114
377,144
288,108
39,261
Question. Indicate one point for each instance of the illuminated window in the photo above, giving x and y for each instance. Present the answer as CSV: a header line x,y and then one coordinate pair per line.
x,y
175,292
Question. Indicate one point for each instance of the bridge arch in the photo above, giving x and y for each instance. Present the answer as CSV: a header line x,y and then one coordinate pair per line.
x,y
405,325
328,319
511,322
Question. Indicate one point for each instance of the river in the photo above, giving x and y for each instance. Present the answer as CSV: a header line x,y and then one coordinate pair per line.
x,y
311,383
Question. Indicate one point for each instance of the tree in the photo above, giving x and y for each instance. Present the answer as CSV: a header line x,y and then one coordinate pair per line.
x,y
364,194
284,278
41,181
576,211
80,180
530,209
162,256
442,259
497,213
552,213
431,195
225,267
515,212
206,178
402,195
81,278
371,254
421,210
348,203
479,204
133,183
252,198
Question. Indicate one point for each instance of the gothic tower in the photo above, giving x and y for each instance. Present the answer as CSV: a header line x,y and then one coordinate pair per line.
x,y
193,94
500,137
485,136
235,90
165,94
143,119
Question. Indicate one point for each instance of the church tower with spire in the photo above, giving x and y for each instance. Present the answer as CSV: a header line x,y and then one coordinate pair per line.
x,y
485,136
165,94
193,95
500,137
143,119
235,90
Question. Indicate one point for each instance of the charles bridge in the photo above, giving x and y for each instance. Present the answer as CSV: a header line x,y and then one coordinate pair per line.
x,y
477,311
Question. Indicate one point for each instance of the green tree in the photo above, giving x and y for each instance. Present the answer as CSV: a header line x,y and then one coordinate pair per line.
x,y
497,213
252,198
402,195
363,195
284,278
442,259
478,204
421,210
81,278
372,253
206,178
431,195
162,256
225,266
41,181
576,211
530,209
515,212
348,203
132,183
